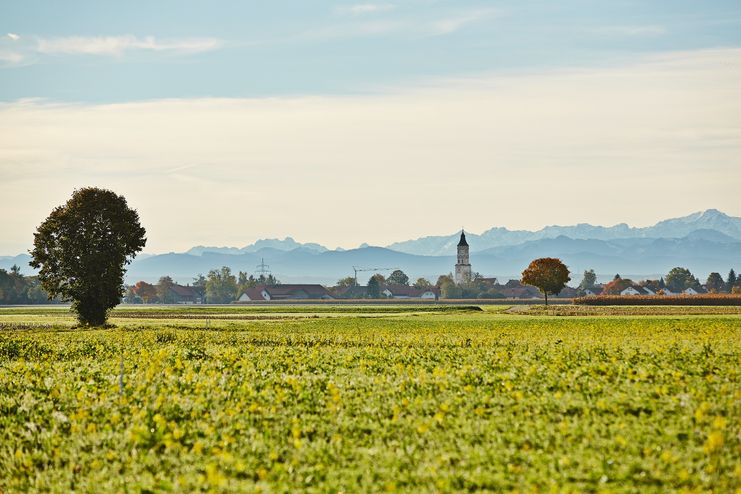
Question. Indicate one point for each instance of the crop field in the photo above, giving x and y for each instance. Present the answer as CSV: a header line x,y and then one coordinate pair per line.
x,y
370,399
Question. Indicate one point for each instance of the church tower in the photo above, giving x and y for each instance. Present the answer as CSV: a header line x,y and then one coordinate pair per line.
x,y
463,266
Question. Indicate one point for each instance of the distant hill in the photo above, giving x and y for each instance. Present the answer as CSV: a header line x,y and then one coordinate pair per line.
x,y
703,242
711,222
286,244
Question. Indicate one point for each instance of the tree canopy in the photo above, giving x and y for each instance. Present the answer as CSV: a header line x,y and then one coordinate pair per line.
x,y
221,286
731,280
715,283
398,277
164,290
374,287
589,279
82,248
347,281
422,283
679,279
547,274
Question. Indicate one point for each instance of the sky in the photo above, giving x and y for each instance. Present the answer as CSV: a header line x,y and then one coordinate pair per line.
x,y
349,122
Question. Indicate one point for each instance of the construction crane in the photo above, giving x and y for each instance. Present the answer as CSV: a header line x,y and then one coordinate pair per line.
x,y
359,269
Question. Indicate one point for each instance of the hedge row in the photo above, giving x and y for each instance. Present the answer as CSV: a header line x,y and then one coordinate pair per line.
x,y
702,299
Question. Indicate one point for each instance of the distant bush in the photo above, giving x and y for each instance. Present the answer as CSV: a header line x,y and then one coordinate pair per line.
x,y
702,299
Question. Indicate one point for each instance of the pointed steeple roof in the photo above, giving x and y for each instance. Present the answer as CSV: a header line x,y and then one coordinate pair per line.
x,y
462,242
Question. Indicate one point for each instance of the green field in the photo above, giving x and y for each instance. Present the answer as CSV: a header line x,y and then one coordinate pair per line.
x,y
369,399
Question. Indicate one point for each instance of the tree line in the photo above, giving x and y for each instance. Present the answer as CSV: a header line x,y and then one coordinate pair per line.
x,y
15,288
219,286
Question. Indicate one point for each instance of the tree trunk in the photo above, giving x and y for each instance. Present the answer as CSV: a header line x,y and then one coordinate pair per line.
x,y
546,298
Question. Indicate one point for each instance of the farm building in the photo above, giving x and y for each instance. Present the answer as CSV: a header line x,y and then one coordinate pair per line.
x,y
186,294
409,292
264,293
389,291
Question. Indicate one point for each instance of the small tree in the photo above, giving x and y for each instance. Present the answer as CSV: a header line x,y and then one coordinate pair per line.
x,y
731,281
448,289
347,281
82,249
374,287
715,283
422,283
146,291
164,290
588,281
131,297
548,274
398,277
444,278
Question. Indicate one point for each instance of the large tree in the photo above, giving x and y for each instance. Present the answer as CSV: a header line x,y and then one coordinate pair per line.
x,y
221,286
82,248
547,274
715,283
374,287
398,277
679,279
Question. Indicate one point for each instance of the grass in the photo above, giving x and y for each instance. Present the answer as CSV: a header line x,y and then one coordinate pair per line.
x,y
395,400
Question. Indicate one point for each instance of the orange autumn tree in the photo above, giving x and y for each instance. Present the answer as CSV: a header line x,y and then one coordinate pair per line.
x,y
547,274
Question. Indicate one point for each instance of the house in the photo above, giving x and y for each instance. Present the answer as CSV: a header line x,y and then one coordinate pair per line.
x,y
256,294
595,290
632,290
186,294
403,291
694,290
263,293
637,290
515,289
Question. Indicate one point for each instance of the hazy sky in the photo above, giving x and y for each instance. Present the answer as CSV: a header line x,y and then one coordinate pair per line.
x,y
341,122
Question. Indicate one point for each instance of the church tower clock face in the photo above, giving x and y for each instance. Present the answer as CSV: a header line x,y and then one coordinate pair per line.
x,y
463,266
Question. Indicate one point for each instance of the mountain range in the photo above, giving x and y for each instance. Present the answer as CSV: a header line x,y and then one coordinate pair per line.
x,y
703,242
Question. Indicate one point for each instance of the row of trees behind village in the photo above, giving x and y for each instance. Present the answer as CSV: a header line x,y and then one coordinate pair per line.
x,y
219,286
676,281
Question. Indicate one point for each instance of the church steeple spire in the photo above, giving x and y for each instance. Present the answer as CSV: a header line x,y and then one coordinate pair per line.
x,y
463,266
462,241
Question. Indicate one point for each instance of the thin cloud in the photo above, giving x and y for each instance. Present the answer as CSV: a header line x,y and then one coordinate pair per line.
x,y
396,26
455,23
11,57
673,119
13,36
630,31
118,45
366,8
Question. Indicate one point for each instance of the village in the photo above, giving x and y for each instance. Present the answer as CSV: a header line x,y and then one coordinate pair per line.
x,y
221,286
